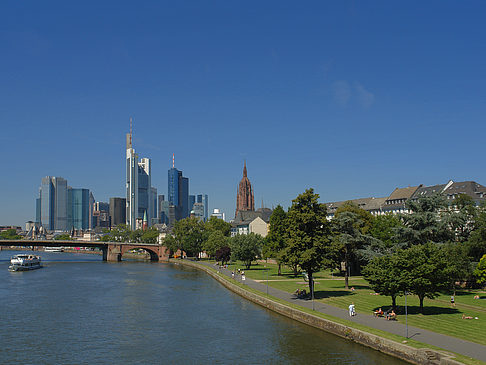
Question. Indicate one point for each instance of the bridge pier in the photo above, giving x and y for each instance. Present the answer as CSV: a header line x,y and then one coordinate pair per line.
x,y
113,253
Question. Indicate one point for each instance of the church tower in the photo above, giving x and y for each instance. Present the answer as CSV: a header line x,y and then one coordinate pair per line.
x,y
244,198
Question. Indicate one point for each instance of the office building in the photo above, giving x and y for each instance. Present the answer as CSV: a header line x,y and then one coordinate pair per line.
x,y
145,201
53,203
178,192
198,211
131,182
117,211
192,200
217,213
80,209
154,210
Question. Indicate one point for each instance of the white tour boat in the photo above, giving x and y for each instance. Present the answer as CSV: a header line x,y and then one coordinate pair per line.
x,y
24,262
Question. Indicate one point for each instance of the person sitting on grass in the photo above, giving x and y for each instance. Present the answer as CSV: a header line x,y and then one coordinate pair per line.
x,y
392,315
378,313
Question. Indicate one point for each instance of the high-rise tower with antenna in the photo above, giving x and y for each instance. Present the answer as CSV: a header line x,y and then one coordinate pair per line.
x,y
131,182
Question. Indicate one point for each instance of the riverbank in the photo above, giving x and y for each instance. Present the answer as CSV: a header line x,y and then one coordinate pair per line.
x,y
398,346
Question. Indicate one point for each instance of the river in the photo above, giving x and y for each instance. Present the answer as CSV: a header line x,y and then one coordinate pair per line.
x,y
78,309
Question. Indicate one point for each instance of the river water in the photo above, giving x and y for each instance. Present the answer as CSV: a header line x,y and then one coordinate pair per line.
x,y
81,310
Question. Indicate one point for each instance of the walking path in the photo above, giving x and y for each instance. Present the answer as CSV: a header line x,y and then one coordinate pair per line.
x,y
445,342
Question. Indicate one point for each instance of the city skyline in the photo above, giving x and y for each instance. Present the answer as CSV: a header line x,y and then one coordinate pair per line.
x,y
351,99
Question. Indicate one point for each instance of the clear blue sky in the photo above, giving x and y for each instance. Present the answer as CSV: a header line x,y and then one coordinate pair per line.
x,y
350,98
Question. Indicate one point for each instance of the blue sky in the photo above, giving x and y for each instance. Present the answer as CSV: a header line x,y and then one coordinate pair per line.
x,y
350,98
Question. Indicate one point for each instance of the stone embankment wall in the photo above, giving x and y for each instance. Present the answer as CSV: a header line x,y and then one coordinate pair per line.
x,y
402,351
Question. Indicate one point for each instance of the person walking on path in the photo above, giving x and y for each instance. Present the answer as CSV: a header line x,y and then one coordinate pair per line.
x,y
453,304
351,310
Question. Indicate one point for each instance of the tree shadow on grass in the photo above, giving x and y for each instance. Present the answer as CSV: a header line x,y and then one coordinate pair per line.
x,y
428,310
321,294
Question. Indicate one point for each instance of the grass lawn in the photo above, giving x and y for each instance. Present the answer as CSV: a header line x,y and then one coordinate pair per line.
x,y
256,273
438,315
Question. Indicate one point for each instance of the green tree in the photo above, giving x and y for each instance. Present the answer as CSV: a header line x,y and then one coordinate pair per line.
x,y
276,239
384,276
120,233
151,235
308,230
365,221
246,247
215,241
458,263
480,272
461,217
63,237
347,239
10,234
477,239
216,224
424,223
384,229
189,234
424,270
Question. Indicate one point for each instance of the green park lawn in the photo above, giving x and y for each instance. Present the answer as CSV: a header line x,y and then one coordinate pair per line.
x,y
438,315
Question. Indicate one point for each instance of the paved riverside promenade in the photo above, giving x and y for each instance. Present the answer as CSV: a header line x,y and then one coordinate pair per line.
x,y
445,342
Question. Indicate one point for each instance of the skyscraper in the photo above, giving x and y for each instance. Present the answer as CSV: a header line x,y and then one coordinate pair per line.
x,y
244,199
131,182
145,201
62,207
178,192
54,203
203,199
117,211
80,208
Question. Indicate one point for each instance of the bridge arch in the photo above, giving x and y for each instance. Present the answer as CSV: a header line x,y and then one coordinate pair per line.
x,y
114,252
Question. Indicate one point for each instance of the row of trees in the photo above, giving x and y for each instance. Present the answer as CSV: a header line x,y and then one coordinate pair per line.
x,y
192,236
424,252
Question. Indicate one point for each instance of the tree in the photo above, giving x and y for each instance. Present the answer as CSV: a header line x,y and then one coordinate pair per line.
x,y
246,247
120,233
189,234
223,254
384,276
424,223
384,229
480,271
365,221
308,231
348,238
423,271
214,242
63,237
461,217
477,239
216,224
9,234
458,263
276,239
151,235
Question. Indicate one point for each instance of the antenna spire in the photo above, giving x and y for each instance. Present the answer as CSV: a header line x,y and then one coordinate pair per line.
x,y
173,161
131,129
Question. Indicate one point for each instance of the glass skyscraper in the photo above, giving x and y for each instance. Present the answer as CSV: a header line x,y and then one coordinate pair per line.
x,y
178,193
80,208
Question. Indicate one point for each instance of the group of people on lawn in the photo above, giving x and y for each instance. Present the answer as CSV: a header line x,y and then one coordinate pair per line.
x,y
389,314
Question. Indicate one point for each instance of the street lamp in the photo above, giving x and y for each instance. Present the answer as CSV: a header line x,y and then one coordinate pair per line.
x,y
406,321
312,293
266,269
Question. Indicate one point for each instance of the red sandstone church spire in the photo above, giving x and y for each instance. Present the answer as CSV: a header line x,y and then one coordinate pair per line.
x,y
244,198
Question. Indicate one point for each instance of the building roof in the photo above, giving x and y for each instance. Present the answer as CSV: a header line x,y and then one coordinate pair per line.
x,y
403,193
247,216
423,191
471,188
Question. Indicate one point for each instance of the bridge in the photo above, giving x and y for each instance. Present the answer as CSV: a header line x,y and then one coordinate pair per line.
x,y
112,251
